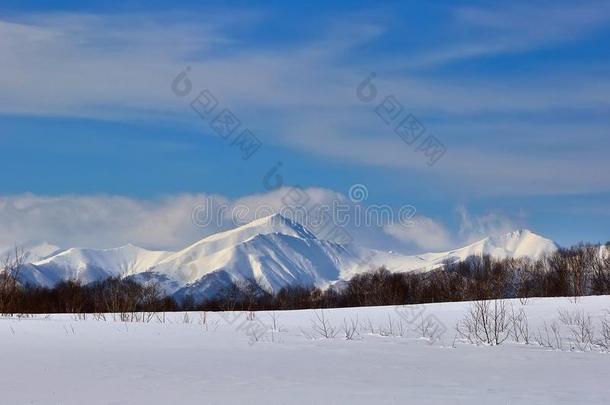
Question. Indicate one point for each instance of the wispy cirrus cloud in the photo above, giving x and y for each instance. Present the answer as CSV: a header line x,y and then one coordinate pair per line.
x,y
517,27
425,233
301,95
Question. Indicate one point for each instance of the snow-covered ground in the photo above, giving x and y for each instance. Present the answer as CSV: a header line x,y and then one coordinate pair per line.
x,y
227,358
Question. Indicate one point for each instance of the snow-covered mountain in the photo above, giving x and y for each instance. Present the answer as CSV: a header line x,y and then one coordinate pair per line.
x,y
31,251
273,251
89,265
518,244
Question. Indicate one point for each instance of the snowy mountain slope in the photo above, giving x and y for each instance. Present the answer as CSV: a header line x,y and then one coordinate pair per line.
x,y
274,261
274,251
89,265
518,244
32,251
209,251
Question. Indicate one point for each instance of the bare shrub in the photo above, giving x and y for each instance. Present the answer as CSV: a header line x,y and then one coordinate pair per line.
x,y
370,328
603,341
205,323
203,319
322,327
80,316
160,317
581,329
520,326
583,333
486,322
426,327
99,317
566,317
389,331
550,336
275,324
402,328
350,329
186,318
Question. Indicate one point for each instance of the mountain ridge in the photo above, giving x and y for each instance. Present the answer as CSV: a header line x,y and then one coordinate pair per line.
x,y
274,251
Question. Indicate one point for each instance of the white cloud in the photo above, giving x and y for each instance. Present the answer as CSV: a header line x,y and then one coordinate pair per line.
x,y
493,223
98,221
425,233
432,235
171,222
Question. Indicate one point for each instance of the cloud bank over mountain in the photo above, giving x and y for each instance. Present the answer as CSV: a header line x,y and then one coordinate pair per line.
x,y
172,222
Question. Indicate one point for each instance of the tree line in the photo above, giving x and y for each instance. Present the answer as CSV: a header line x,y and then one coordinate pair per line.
x,y
576,271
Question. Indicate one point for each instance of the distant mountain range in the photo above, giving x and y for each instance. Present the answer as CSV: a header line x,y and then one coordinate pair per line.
x,y
274,251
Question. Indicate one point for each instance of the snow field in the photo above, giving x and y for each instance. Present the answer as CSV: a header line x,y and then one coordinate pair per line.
x,y
280,358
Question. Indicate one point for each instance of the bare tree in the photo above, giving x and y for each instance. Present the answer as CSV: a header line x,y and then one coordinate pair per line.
x,y
600,278
10,268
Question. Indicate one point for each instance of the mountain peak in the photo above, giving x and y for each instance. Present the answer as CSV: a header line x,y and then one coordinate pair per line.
x,y
273,219
522,232
520,243
227,240
281,224
275,223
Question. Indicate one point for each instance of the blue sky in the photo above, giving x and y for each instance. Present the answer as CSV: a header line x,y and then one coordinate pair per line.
x,y
518,93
